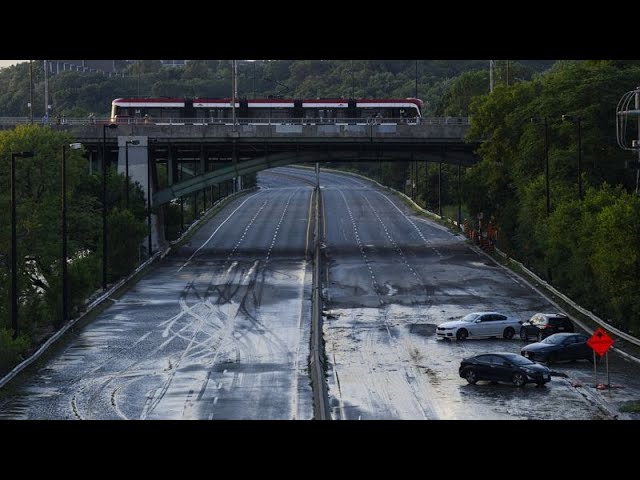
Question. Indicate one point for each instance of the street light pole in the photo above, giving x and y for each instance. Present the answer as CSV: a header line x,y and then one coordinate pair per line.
x,y
234,92
14,243
440,189
104,202
149,200
65,277
126,168
579,159
546,163
578,122
459,195
546,157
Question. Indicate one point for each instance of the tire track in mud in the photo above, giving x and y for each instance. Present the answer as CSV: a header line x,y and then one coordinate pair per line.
x,y
186,311
230,320
216,307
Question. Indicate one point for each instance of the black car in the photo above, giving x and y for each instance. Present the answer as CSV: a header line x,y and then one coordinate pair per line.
x,y
541,325
506,367
560,346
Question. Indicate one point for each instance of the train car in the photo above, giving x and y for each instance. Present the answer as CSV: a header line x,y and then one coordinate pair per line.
x,y
264,111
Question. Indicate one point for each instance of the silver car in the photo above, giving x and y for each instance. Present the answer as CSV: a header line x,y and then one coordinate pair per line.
x,y
479,324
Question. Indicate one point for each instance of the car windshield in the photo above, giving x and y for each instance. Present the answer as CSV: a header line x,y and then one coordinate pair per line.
x,y
519,360
470,318
554,339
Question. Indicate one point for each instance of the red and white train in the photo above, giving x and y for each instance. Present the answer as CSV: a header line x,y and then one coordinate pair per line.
x,y
266,111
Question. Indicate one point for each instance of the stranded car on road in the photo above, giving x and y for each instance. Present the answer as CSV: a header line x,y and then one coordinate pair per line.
x,y
479,324
505,367
541,325
559,346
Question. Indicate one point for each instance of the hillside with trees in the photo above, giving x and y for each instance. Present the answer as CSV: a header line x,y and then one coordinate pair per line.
x,y
76,94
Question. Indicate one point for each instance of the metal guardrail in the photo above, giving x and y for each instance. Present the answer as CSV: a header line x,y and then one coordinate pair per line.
x,y
319,384
573,304
244,121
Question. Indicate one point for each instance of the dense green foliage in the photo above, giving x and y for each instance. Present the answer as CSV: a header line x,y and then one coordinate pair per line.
x,y
590,249
38,229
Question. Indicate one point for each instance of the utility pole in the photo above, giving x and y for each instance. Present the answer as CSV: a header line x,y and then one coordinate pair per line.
x,y
546,164
352,81
30,91
234,92
416,95
637,105
490,75
46,90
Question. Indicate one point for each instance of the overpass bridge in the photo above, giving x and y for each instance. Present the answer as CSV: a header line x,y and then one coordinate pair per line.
x,y
186,158
176,160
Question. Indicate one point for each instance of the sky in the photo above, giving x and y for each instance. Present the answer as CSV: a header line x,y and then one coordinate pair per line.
x,y
6,63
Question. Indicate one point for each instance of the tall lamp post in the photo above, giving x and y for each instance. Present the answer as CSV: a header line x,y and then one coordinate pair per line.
x,y
65,277
14,243
104,202
149,199
459,195
577,121
546,156
126,168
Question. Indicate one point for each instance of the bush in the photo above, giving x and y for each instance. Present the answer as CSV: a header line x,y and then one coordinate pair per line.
x,y
11,351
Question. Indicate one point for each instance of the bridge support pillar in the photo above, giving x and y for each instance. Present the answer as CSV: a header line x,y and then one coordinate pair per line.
x,y
140,159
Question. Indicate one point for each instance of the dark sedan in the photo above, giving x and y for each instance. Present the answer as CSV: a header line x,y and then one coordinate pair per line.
x,y
505,367
559,346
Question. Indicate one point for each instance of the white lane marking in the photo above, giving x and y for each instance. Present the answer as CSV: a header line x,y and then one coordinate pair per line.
x,y
411,222
216,231
393,242
374,282
275,235
253,219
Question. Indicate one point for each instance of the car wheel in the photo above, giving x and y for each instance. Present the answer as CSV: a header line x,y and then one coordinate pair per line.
x,y
552,358
471,376
540,384
462,334
509,333
540,336
523,334
519,379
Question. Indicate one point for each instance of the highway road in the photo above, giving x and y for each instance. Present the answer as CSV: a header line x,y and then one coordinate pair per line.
x,y
220,329
391,278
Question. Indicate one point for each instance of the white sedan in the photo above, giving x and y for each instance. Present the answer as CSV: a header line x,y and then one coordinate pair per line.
x,y
479,324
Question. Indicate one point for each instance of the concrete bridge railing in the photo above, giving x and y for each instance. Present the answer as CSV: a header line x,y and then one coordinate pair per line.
x,y
452,128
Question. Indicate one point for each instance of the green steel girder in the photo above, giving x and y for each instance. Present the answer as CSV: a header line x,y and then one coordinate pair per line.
x,y
228,172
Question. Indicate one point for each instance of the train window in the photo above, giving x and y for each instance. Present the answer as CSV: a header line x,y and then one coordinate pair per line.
x,y
170,113
259,113
280,113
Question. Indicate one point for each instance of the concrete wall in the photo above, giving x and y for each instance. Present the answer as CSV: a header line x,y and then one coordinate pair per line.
x,y
455,132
